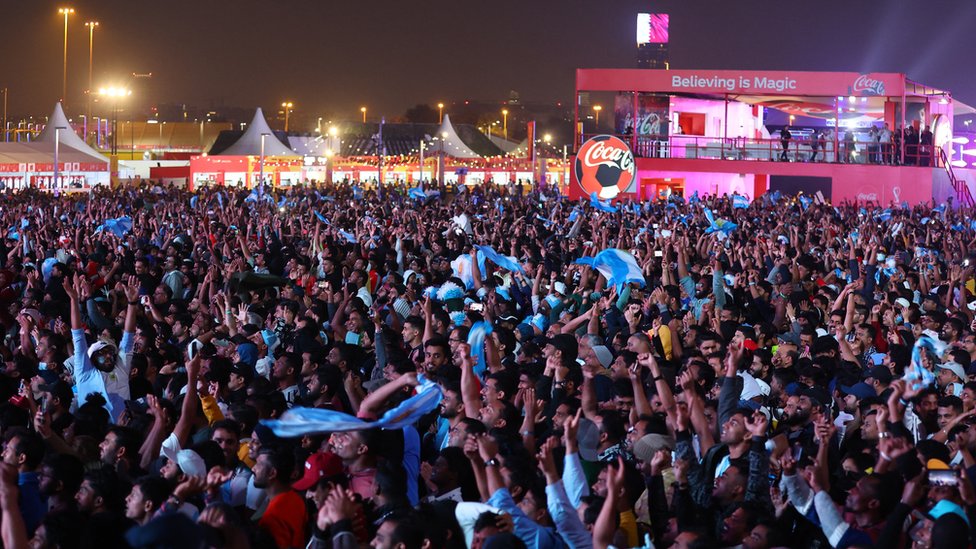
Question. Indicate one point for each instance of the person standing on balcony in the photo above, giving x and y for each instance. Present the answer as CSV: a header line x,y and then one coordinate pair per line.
x,y
814,145
784,137
885,137
848,146
911,146
925,141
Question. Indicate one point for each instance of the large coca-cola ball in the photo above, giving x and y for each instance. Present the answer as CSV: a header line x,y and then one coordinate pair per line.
x,y
604,165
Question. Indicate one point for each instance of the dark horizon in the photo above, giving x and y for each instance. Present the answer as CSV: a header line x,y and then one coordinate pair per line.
x,y
332,58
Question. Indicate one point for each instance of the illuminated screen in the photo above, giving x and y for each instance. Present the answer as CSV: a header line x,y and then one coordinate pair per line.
x,y
652,28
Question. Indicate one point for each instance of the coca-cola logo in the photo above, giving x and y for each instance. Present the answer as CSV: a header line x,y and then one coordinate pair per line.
x,y
865,85
605,165
649,124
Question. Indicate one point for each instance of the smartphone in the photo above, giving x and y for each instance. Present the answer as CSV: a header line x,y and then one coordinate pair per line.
x,y
477,307
658,253
943,477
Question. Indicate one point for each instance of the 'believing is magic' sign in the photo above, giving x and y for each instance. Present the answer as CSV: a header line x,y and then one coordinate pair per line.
x,y
757,83
803,83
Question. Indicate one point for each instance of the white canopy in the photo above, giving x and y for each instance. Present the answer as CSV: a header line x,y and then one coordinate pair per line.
x,y
505,145
452,144
250,143
66,136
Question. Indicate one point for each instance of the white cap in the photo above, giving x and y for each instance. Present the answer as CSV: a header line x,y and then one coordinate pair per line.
x,y
750,388
903,303
560,288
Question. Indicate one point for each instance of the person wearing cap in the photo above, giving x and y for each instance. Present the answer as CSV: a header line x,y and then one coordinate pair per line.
x,y
102,368
857,392
950,374
319,467
879,378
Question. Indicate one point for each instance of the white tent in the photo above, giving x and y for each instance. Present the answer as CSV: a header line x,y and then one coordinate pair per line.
x,y
250,143
452,144
507,146
66,136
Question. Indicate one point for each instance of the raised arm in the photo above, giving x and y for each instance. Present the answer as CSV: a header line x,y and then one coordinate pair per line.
x,y
470,390
190,402
374,402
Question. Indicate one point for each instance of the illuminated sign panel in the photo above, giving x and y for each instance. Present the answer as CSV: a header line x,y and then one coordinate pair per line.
x,y
652,28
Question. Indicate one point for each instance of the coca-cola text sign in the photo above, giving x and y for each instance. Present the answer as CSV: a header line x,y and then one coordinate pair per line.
x,y
605,165
865,85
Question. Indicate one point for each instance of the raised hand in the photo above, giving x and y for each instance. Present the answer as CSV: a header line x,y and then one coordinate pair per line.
x,y
570,430
547,464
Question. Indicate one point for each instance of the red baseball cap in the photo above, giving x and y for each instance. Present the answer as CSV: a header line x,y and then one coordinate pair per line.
x,y
318,466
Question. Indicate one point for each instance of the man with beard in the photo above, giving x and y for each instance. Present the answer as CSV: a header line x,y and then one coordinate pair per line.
x,y
739,479
796,422
59,479
451,412
437,354
285,373
178,467
100,498
227,434
285,516
323,387
24,451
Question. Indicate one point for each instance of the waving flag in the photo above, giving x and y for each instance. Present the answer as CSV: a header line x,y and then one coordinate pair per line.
x,y
47,267
351,238
617,266
503,261
476,339
805,201
574,214
462,267
258,194
740,202
299,422
118,226
322,218
193,201
917,375
417,194
600,205
545,220
718,225
885,215
220,199
694,199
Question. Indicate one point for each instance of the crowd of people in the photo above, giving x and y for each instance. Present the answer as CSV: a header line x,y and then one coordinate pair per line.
x,y
334,367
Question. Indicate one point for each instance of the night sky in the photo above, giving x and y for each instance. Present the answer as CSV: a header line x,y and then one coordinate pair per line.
x,y
330,56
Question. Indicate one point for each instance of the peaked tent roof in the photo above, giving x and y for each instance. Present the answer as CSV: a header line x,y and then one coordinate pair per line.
x,y
250,143
67,136
453,145
507,146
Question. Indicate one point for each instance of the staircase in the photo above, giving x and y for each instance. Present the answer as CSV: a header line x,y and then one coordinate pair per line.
x,y
963,195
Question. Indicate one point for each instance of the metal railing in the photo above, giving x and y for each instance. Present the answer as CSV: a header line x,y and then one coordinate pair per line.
x,y
797,149
963,194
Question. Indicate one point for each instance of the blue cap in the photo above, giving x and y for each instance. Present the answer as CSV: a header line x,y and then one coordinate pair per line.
x,y
860,390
